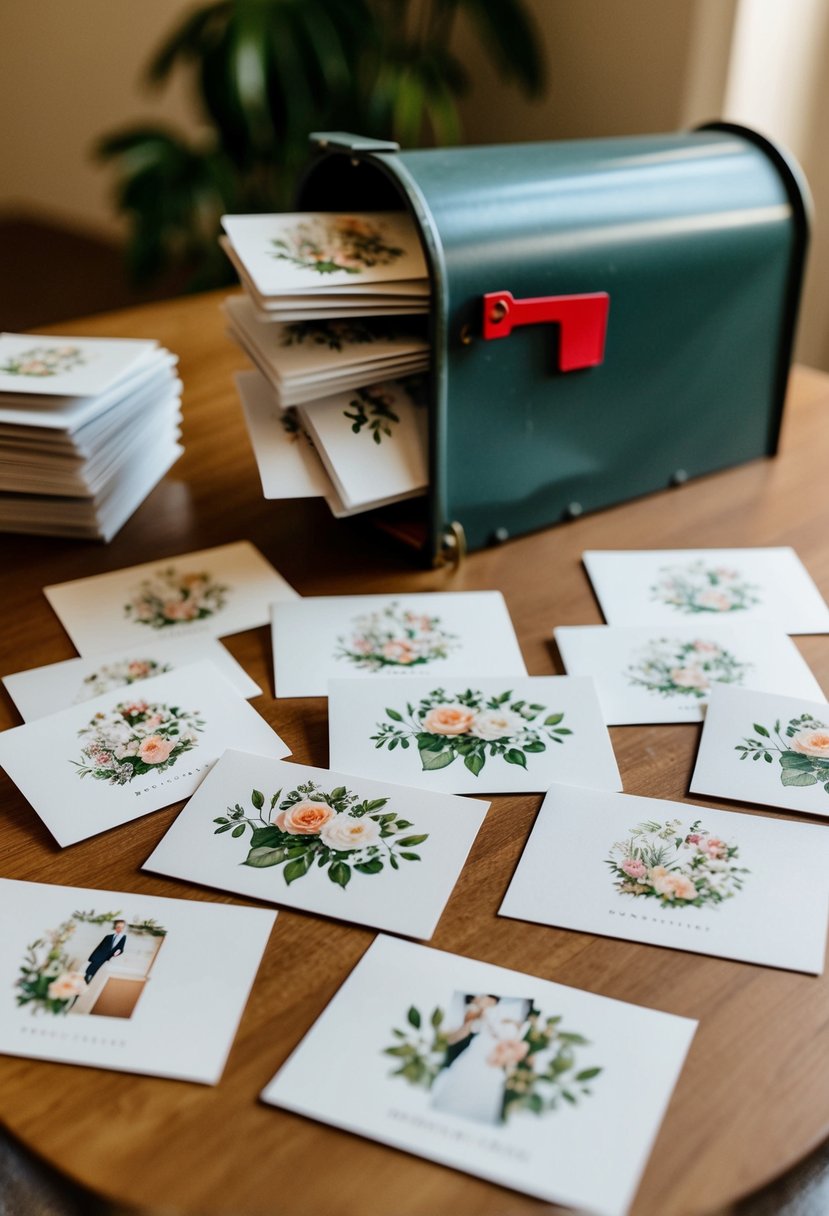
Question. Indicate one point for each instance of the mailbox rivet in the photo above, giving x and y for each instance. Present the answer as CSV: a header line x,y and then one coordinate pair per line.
x,y
466,335
679,477
499,310
574,509
355,160
500,535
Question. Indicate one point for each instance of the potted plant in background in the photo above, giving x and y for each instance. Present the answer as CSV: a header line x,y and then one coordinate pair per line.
x,y
268,72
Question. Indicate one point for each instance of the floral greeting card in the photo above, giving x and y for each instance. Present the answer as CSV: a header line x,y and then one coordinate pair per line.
x,y
73,367
289,467
116,980
484,736
429,633
490,1071
692,878
213,592
758,747
671,586
363,851
45,690
131,750
307,251
664,673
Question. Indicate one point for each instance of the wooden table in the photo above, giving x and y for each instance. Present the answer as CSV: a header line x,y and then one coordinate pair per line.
x,y
754,1095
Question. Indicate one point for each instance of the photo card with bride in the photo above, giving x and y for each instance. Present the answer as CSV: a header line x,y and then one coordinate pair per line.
x,y
359,850
115,980
490,1071
747,887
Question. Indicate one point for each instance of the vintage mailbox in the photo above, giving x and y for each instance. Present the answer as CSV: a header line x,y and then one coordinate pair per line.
x,y
609,317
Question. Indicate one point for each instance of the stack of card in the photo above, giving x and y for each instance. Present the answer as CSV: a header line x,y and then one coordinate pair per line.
x,y
88,426
318,324
298,267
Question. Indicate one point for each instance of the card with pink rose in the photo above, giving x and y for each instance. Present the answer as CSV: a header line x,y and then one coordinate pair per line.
x,y
671,586
738,886
427,633
112,979
505,1076
761,748
664,673
365,851
494,736
131,750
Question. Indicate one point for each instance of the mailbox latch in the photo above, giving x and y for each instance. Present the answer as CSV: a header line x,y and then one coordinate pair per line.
x,y
582,320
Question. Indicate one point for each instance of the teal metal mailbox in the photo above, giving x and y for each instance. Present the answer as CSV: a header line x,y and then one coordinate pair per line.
x,y
609,317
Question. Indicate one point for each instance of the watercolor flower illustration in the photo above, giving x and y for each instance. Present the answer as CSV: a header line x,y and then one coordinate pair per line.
x,y
671,668
336,831
338,333
119,675
394,637
801,747
503,1058
41,361
472,726
170,598
328,244
51,977
678,866
697,588
135,738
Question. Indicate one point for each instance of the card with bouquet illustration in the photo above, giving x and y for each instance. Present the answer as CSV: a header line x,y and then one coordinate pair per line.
x,y
288,465
667,586
494,735
131,750
358,850
761,748
211,592
490,1071
309,251
73,367
664,673
426,633
116,980
45,690
747,887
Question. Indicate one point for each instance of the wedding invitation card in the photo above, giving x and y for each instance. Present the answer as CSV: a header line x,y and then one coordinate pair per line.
x,y
116,980
439,633
664,673
68,367
747,887
664,586
504,1076
761,748
45,690
130,751
485,736
212,592
363,851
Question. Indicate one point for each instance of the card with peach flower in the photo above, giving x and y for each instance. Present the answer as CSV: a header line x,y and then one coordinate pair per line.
x,y
431,633
213,592
651,673
116,980
497,735
359,850
67,367
671,586
491,1071
739,886
760,748
131,750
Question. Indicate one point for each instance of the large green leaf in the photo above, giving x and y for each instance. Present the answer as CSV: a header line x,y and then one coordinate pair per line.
x,y
512,40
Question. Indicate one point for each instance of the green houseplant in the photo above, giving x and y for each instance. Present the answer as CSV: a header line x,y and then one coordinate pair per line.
x,y
269,71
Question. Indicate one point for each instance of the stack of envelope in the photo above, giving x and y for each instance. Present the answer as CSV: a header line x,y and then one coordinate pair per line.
x,y
88,426
330,319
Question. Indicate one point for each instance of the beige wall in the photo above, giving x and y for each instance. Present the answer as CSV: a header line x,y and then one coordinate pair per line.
x,y
70,73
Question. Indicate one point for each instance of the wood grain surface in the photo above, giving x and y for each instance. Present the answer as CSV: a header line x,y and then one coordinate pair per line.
x,y
754,1095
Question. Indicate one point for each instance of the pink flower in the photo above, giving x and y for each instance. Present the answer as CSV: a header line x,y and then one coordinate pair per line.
x,y
67,985
634,868
507,1053
304,818
706,648
449,720
398,652
153,721
361,645
138,668
134,709
102,759
714,601
180,610
155,750
693,838
672,886
714,847
812,742
690,677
